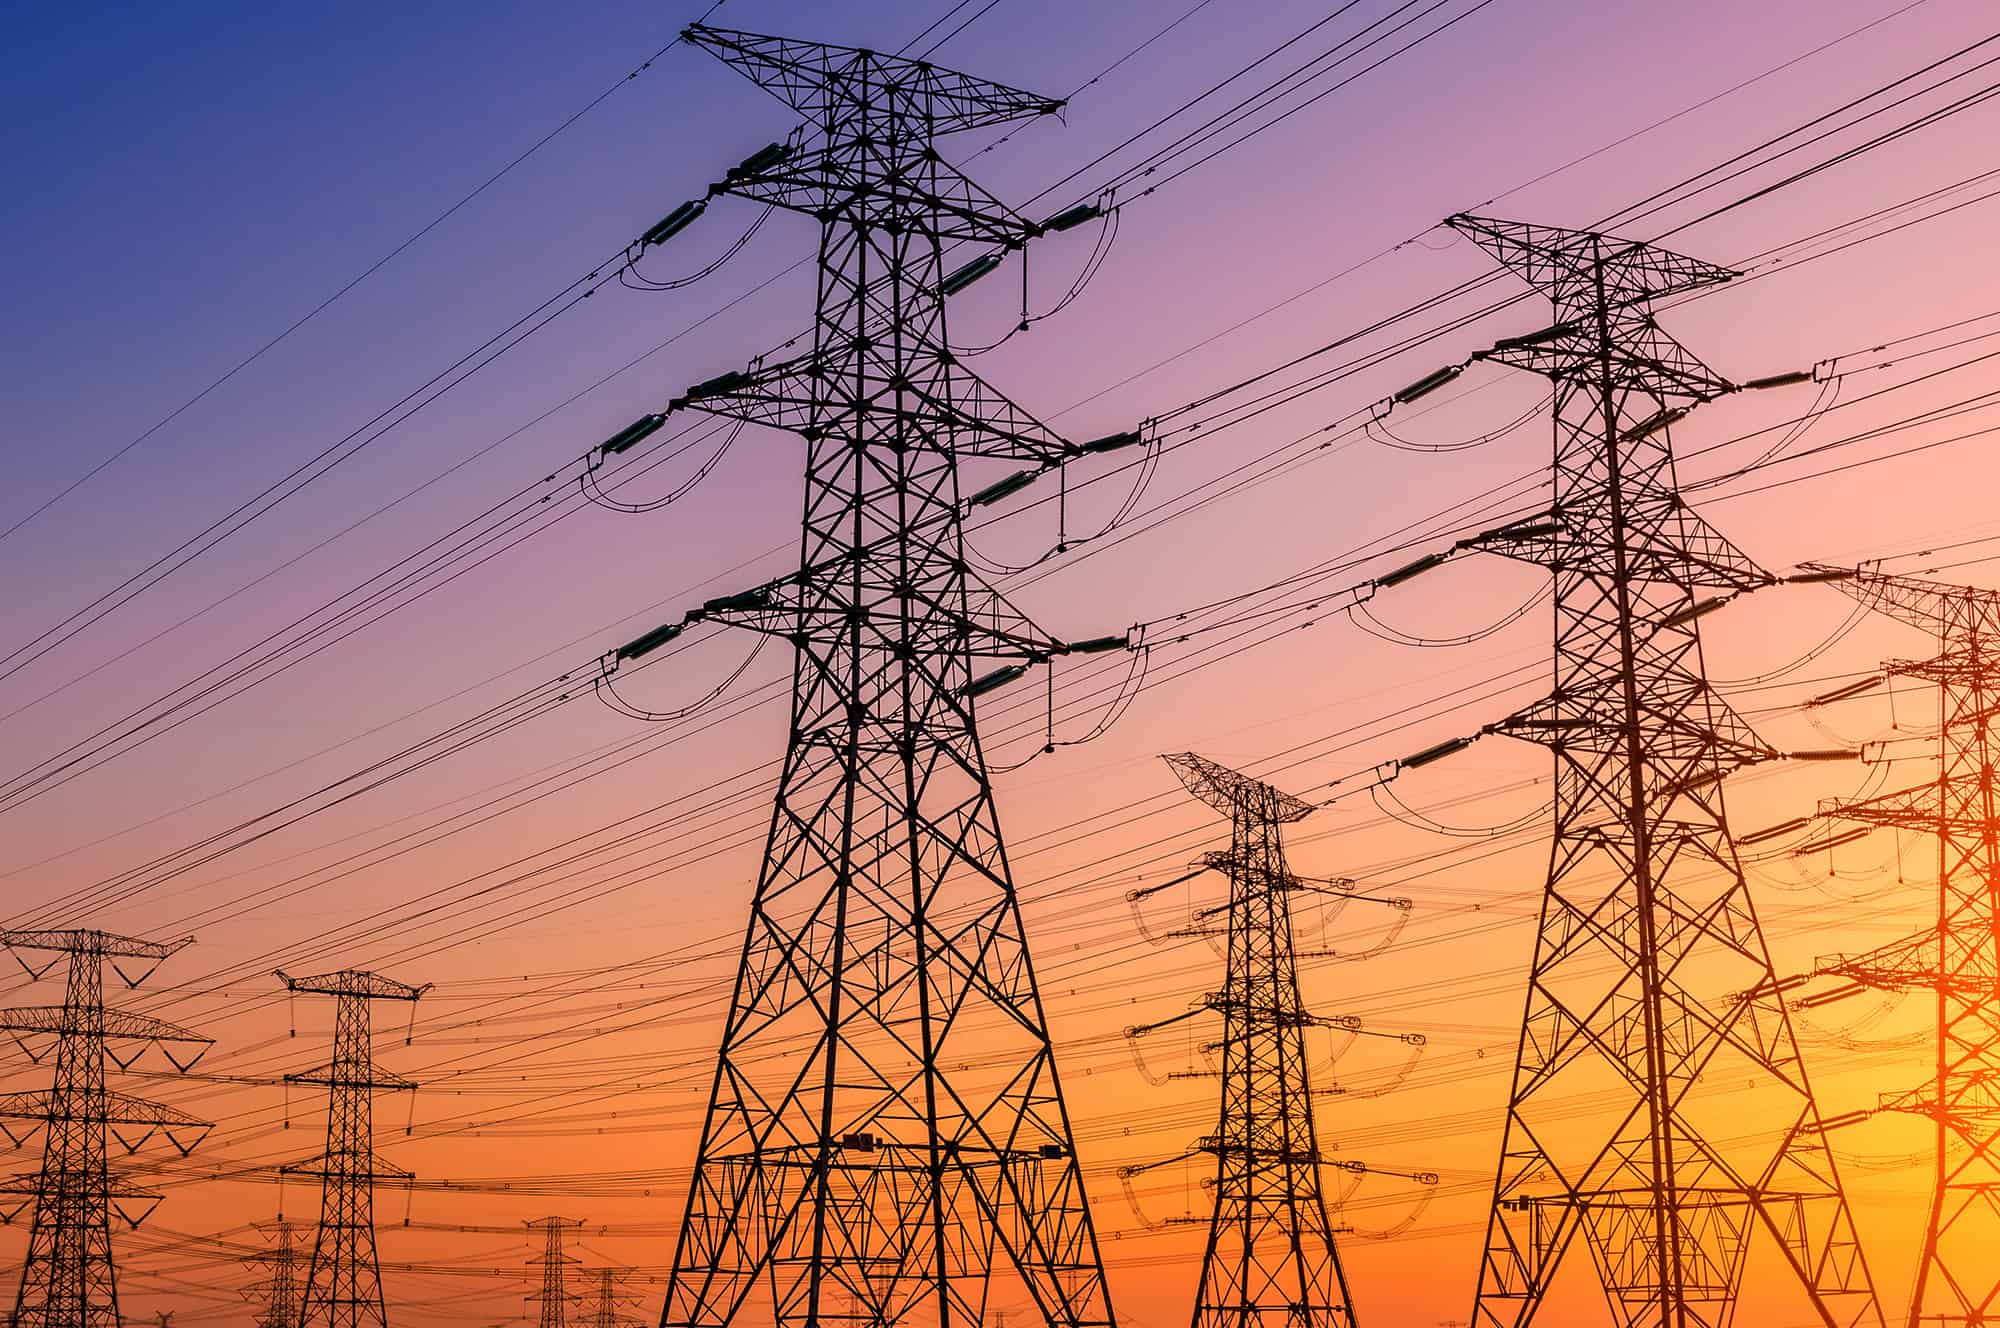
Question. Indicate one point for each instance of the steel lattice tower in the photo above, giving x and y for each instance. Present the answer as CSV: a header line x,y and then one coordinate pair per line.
x,y
280,1291
1958,958
609,1299
555,1296
886,1141
1650,970
343,1281
1270,1260
69,1279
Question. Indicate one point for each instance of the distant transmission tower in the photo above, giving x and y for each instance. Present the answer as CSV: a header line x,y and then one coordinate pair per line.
x,y
1958,957
280,1290
610,1301
555,1296
1647,925
68,1278
886,1142
344,1281
1271,1260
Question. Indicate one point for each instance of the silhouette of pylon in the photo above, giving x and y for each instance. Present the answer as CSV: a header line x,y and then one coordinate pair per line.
x,y
555,1297
344,1280
1651,984
280,1289
1957,958
1271,1261
610,1301
69,1278
886,1141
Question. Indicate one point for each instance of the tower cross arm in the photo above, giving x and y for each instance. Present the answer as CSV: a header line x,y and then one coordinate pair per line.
x,y
92,942
353,982
369,1077
1947,611
1235,794
818,79
118,1109
54,1019
969,415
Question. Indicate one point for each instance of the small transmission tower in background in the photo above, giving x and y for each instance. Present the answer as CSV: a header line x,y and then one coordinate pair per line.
x,y
1957,958
1646,926
280,1289
555,1297
1271,1260
886,1141
68,1279
343,1286
607,1309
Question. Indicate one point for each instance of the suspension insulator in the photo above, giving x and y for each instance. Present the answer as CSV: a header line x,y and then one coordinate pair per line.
x,y
998,678
763,159
631,435
1428,384
1072,217
1408,570
1530,339
971,272
1111,442
999,489
651,641
717,385
1655,422
1779,380
1435,753
674,223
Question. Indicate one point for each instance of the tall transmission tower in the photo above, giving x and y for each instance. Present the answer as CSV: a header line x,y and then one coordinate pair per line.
x,y
1271,1260
1957,958
886,1140
280,1289
69,1278
1651,983
555,1297
344,1281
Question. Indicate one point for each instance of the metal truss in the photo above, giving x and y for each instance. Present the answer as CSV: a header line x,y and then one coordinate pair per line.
x,y
69,1278
1957,958
555,1297
1270,1261
1651,985
343,1280
886,1141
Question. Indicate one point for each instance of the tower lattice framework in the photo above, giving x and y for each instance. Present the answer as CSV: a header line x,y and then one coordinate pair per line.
x,y
610,1301
1957,958
1271,1261
555,1297
1651,988
886,1140
343,1287
279,1289
69,1278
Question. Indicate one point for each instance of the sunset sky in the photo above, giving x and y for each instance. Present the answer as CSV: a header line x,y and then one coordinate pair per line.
x,y
190,183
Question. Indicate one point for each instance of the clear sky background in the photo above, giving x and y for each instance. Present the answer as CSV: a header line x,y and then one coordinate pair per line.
x,y
188,183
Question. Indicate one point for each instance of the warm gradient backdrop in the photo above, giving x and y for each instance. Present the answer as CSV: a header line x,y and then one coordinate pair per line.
x,y
186,182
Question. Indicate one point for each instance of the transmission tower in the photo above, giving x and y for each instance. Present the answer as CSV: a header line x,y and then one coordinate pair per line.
x,y
1957,958
280,1290
1271,1260
610,1301
343,1281
1651,983
555,1296
69,1279
886,1141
